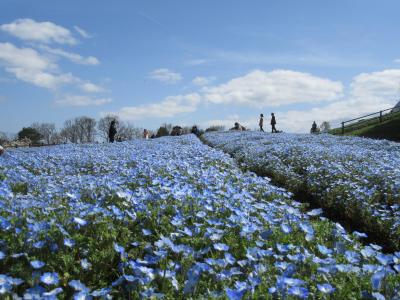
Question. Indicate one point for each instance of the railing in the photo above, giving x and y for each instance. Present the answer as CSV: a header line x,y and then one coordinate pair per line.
x,y
377,117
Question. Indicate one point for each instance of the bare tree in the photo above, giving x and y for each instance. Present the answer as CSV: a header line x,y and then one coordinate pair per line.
x,y
69,132
79,130
127,131
86,128
325,127
47,131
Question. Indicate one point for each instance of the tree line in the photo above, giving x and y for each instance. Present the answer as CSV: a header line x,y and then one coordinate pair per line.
x,y
78,130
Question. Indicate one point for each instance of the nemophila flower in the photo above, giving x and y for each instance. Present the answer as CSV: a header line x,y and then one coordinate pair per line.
x,y
315,212
101,292
118,248
286,228
221,247
298,291
69,242
39,244
324,250
325,288
2,255
234,294
384,259
37,264
79,221
83,295
53,292
85,264
49,278
378,296
376,279
360,234
77,285
146,232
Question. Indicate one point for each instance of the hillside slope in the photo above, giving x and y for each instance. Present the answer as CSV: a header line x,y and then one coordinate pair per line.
x,y
388,129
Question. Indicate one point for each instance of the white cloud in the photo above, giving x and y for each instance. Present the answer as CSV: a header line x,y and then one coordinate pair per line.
x,y
42,79
382,84
397,60
73,57
165,75
91,87
82,32
28,65
200,80
369,93
81,100
276,88
196,62
169,107
27,58
45,32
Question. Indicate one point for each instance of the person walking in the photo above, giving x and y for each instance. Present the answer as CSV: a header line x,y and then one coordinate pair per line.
x,y
112,131
273,123
261,122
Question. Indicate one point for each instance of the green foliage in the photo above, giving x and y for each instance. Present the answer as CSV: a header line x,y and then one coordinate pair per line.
x,y
30,133
162,131
20,188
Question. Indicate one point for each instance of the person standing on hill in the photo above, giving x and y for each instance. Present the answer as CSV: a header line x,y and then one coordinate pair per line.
x,y
112,131
273,123
261,123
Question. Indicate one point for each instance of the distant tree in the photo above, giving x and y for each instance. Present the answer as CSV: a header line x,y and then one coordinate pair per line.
x,y
86,129
69,133
215,128
162,131
30,133
46,130
79,130
3,138
127,131
325,127
104,125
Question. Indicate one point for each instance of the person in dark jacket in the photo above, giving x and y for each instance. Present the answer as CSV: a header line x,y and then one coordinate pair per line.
x,y
112,131
273,123
313,127
261,122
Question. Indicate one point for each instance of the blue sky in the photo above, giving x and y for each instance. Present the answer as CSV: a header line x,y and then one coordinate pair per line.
x,y
203,62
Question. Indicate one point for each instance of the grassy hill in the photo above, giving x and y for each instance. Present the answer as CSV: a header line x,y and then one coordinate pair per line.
x,y
389,129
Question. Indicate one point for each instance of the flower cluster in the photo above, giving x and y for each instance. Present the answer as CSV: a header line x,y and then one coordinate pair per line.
x,y
355,178
169,218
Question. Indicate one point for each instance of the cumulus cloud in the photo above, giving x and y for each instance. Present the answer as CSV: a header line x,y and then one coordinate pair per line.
x,y
73,57
82,32
369,92
165,75
276,88
169,107
201,81
91,87
81,100
28,65
28,58
44,32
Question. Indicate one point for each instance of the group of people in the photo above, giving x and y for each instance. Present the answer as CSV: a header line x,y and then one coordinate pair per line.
x,y
273,123
260,123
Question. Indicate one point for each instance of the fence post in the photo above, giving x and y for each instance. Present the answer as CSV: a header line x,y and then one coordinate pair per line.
x,y
342,127
380,117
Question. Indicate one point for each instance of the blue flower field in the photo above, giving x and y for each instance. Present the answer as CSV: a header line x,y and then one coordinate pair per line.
x,y
173,218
